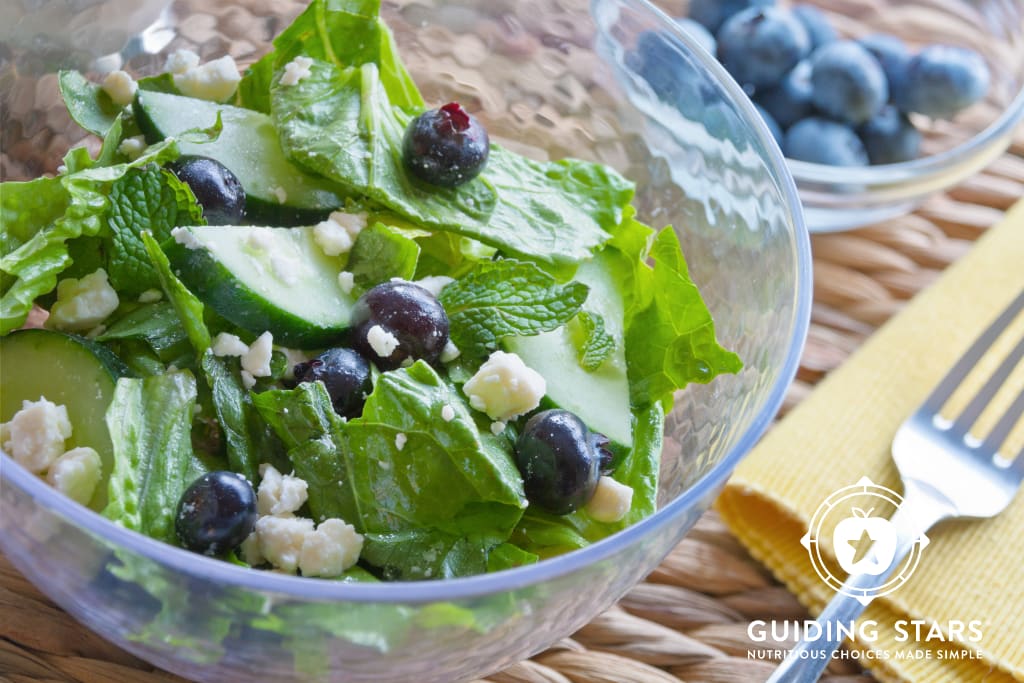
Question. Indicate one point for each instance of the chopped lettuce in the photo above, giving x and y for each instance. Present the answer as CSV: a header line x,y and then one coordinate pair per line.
x,y
188,307
150,424
380,253
340,123
89,106
156,324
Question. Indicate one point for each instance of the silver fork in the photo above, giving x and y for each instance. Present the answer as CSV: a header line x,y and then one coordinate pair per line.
x,y
945,474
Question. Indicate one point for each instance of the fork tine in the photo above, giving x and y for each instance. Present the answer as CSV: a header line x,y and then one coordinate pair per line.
x,y
955,377
978,404
1002,429
1017,466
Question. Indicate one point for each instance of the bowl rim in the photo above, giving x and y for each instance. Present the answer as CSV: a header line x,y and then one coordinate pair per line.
x,y
445,590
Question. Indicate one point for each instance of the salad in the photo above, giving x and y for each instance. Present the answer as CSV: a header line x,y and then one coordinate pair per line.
x,y
302,320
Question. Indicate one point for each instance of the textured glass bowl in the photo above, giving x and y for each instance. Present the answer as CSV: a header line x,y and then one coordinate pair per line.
x,y
548,78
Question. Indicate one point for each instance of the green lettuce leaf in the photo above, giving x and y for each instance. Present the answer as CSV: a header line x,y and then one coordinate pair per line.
x,y
144,199
88,104
150,425
379,254
340,123
155,324
188,307
505,298
547,535
671,342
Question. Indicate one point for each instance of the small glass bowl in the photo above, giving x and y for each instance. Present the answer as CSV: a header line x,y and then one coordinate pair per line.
x,y
549,78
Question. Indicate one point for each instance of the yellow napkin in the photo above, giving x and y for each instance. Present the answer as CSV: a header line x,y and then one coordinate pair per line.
x,y
972,570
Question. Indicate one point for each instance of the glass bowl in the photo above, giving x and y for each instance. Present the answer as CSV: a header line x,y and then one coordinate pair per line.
x,y
550,78
843,198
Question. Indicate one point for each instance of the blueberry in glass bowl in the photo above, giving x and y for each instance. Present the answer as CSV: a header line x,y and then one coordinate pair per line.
x,y
954,72
564,87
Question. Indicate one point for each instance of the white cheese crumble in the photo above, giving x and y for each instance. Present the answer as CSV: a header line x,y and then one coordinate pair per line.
x,y
256,361
250,550
83,304
332,238
132,147
611,501
381,341
180,61
151,296
504,387
434,283
450,352
286,268
296,70
346,281
186,238
497,427
331,549
216,80
447,413
36,433
280,194
354,223
279,494
281,538
400,440
259,239
76,474
225,344
248,381
121,87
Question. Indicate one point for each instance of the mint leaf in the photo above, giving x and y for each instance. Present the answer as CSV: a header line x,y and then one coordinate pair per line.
x,y
671,342
340,123
188,307
145,199
499,299
89,106
150,425
381,253
596,344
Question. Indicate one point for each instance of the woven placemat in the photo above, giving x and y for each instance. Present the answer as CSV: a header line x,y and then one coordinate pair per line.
x,y
687,622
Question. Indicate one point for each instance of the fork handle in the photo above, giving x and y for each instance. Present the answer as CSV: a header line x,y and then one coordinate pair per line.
x,y
805,662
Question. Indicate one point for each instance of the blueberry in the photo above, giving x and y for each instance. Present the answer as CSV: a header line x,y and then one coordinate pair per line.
x,y
711,14
560,461
663,63
890,137
216,513
789,101
817,24
769,120
215,187
760,45
346,376
848,83
822,141
699,34
446,146
942,80
397,322
892,54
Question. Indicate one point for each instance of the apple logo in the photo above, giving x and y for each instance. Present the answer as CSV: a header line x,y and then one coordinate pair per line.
x,y
848,535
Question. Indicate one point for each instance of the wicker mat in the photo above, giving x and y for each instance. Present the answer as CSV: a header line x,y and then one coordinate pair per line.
x,y
688,621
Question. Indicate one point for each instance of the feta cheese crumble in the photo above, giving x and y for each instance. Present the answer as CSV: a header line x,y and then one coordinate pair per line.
x,y
186,238
332,238
400,440
76,474
248,381
611,501
447,413
281,538
381,341
434,283
225,344
286,268
151,296
180,61
280,194
259,239
83,304
497,427
346,281
296,70
504,387
256,360
36,433
121,87
450,352
215,81
280,495
132,147
331,549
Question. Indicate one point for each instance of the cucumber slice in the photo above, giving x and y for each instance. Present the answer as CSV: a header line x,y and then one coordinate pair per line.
x,y
599,398
69,371
249,147
275,279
